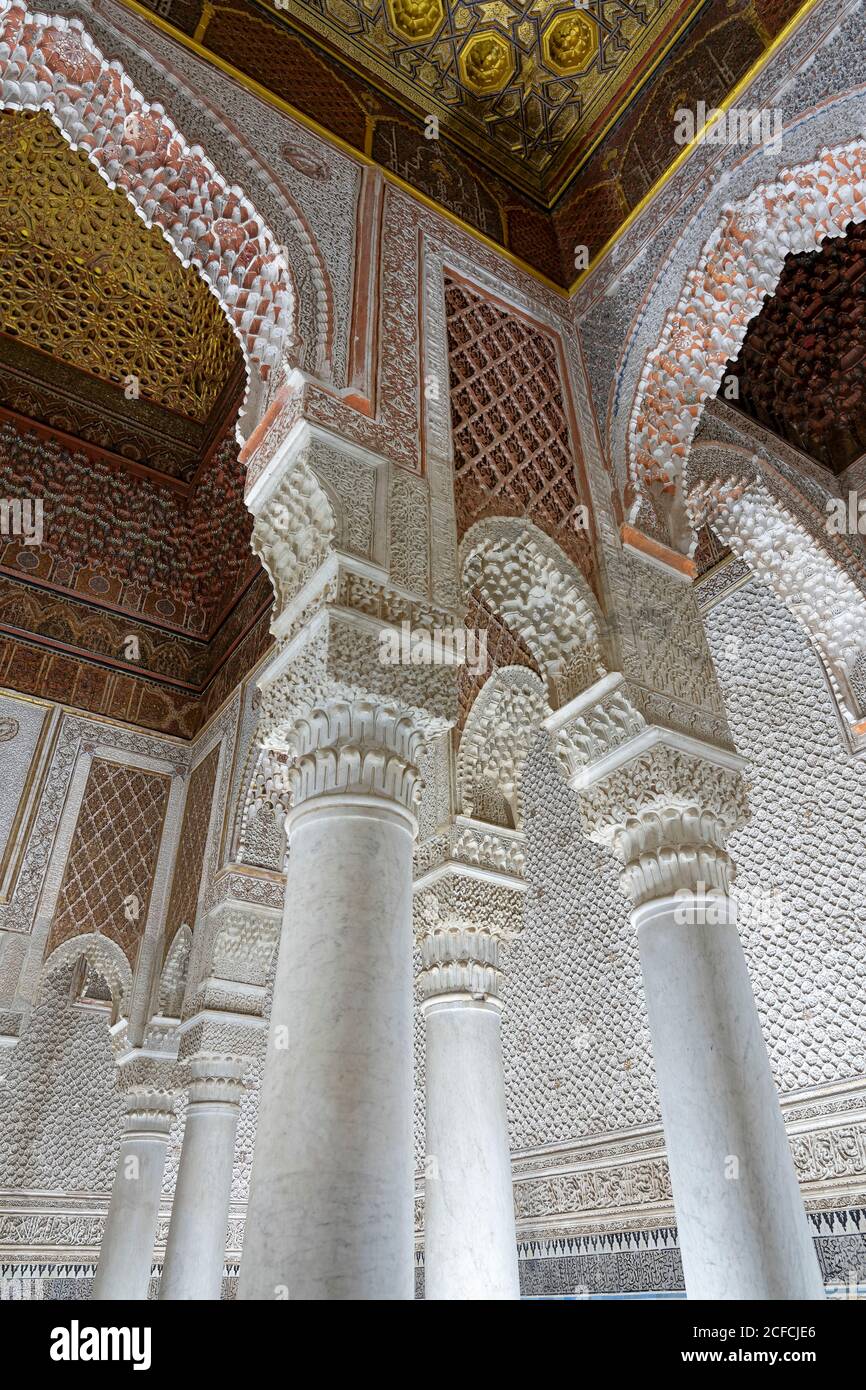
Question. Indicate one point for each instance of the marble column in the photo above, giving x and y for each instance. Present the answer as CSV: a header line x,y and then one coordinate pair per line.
x,y
126,1254
331,1202
470,1243
665,806
195,1250
742,1227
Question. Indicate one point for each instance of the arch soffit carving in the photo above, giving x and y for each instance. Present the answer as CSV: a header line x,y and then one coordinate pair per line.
x,y
713,462
174,973
103,955
503,725
777,531
536,590
738,267
50,63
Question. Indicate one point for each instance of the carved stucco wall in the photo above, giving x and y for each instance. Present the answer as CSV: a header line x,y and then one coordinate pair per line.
x,y
575,1039
61,1111
803,849
576,1043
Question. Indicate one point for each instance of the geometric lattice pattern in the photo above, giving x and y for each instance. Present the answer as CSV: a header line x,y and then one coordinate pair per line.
x,y
109,870
188,865
82,277
513,453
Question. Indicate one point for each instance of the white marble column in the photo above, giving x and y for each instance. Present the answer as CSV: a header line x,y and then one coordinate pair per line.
x,y
126,1254
743,1231
470,1244
195,1250
331,1201
665,806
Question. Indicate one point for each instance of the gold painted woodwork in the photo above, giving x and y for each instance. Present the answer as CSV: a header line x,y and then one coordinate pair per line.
x,y
416,19
197,45
569,43
486,63
84,280
531,116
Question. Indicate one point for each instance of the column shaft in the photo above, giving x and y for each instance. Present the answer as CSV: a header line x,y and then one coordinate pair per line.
x,y
126,1254
742,1228
195,1251
331,1201
470,1245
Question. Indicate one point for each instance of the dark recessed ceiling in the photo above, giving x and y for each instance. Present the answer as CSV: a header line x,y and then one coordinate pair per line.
x,y
801,371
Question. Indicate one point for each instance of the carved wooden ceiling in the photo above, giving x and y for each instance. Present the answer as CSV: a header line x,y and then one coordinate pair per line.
x,y
555,118
525,85
142,598
801,371
105,335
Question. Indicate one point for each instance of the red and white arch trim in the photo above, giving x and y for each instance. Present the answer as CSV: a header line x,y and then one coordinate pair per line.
x,y
51,64
739,266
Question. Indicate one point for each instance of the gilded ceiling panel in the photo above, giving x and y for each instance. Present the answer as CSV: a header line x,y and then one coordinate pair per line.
x,y
527,85
83,280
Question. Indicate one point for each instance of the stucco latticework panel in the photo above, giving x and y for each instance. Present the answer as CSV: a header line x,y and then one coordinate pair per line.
x,y
183,903
109,871
513,449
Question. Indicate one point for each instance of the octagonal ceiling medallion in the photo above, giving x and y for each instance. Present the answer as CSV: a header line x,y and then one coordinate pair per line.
x,y
569,44
416,19
487,63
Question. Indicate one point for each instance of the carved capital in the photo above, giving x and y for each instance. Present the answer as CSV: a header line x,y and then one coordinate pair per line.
x,y
347,722
490,851
149,1089
666,815
597,722
215,1079
460,922
218,1050
148,1076
357,745
488,847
